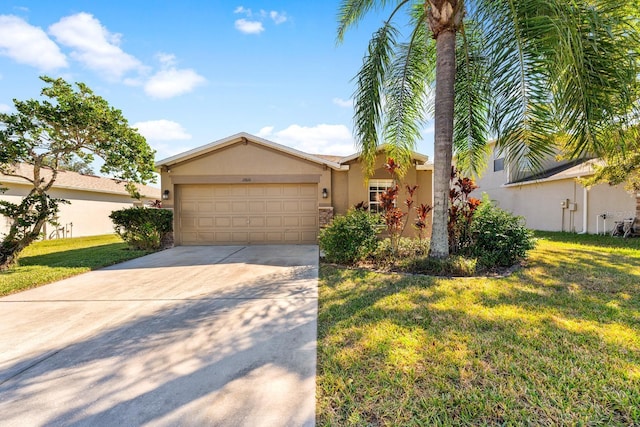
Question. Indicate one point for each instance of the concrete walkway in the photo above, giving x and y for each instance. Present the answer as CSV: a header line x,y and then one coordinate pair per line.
x,y
190,336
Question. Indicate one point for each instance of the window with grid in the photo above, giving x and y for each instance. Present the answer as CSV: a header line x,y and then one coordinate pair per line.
x,y
377,186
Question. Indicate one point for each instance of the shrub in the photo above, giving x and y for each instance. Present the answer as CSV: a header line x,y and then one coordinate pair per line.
x,y
351,237
143,228
499,239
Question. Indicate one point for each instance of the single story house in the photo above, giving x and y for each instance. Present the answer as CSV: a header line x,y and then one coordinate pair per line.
x,y
92,199
553,199
247,190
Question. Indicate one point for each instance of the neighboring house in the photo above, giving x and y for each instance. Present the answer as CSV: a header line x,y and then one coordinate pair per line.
x,y
554,200
247,190
91,198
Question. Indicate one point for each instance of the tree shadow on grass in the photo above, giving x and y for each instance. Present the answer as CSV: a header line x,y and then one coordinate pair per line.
x,y
503,350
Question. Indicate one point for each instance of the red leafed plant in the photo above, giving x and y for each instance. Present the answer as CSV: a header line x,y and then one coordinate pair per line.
x,y
461,209
395,219
421,221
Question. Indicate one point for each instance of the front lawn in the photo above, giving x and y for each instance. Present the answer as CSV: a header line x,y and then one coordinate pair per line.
x,y
51,260
556,343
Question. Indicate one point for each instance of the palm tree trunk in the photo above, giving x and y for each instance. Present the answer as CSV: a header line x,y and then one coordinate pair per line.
x,y
443,145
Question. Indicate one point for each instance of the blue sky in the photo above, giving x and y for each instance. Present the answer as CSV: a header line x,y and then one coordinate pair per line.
x,y
187,73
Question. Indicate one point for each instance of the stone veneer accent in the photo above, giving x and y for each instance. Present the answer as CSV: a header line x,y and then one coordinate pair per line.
x,y
325,214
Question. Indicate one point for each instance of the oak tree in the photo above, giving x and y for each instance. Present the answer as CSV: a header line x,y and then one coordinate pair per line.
x,y
68,124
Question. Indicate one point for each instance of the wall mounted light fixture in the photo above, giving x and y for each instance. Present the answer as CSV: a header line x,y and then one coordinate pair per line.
x,y
165,195
325,193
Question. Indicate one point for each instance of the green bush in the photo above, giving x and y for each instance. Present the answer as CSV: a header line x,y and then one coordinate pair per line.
x,y
499,239
351,237
143,228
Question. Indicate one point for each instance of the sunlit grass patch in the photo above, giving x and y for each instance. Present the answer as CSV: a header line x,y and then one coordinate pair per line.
x,y
556,343
51,260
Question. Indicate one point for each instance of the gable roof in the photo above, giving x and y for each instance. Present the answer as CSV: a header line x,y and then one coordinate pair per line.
x,y
76,181
246,137
334,162
416,156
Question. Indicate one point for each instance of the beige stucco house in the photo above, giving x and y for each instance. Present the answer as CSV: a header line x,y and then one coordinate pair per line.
x,y
92,199
247,190
554,199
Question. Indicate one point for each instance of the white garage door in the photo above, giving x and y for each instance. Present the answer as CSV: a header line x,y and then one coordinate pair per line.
x,y
232,214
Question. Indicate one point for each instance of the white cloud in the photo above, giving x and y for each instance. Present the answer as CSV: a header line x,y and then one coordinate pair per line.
x,y
171,82
94,46
278,17
344,103
255,22
243,10
320,139
29,45
249,27
166,59
162,130
4,108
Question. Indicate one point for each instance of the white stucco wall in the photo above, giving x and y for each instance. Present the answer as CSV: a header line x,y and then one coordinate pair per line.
x,y
88,211
540,203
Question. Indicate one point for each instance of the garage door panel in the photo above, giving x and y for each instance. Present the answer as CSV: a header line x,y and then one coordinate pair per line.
x,y
247,213
291,206
189,207
188,223
256,191
256,236
223,221
223,237
205,237
240,191
257,221
291,236
308,191
239,236
274,206
222,207
291,191
308,236
257,207
291,221
309,221
239,207
205,222
205,207
239,221
307,205
274,221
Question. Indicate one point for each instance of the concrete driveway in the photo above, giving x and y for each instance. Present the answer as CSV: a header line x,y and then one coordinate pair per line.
x,y
189,336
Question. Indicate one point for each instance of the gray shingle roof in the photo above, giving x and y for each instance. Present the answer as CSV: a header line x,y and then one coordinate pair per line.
x,y
76,181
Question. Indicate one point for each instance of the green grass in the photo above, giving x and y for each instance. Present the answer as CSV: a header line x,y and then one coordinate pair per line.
x,y
47,261
556,343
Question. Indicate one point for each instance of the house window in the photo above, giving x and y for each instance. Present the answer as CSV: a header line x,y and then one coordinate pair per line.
x,y
377,186
498,164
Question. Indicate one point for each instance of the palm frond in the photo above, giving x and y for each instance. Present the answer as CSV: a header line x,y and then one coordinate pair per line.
x,y
407,90
520,114
471,113
559,67
368,94
351,12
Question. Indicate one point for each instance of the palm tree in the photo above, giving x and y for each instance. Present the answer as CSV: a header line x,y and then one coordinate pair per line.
x,y
533,74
